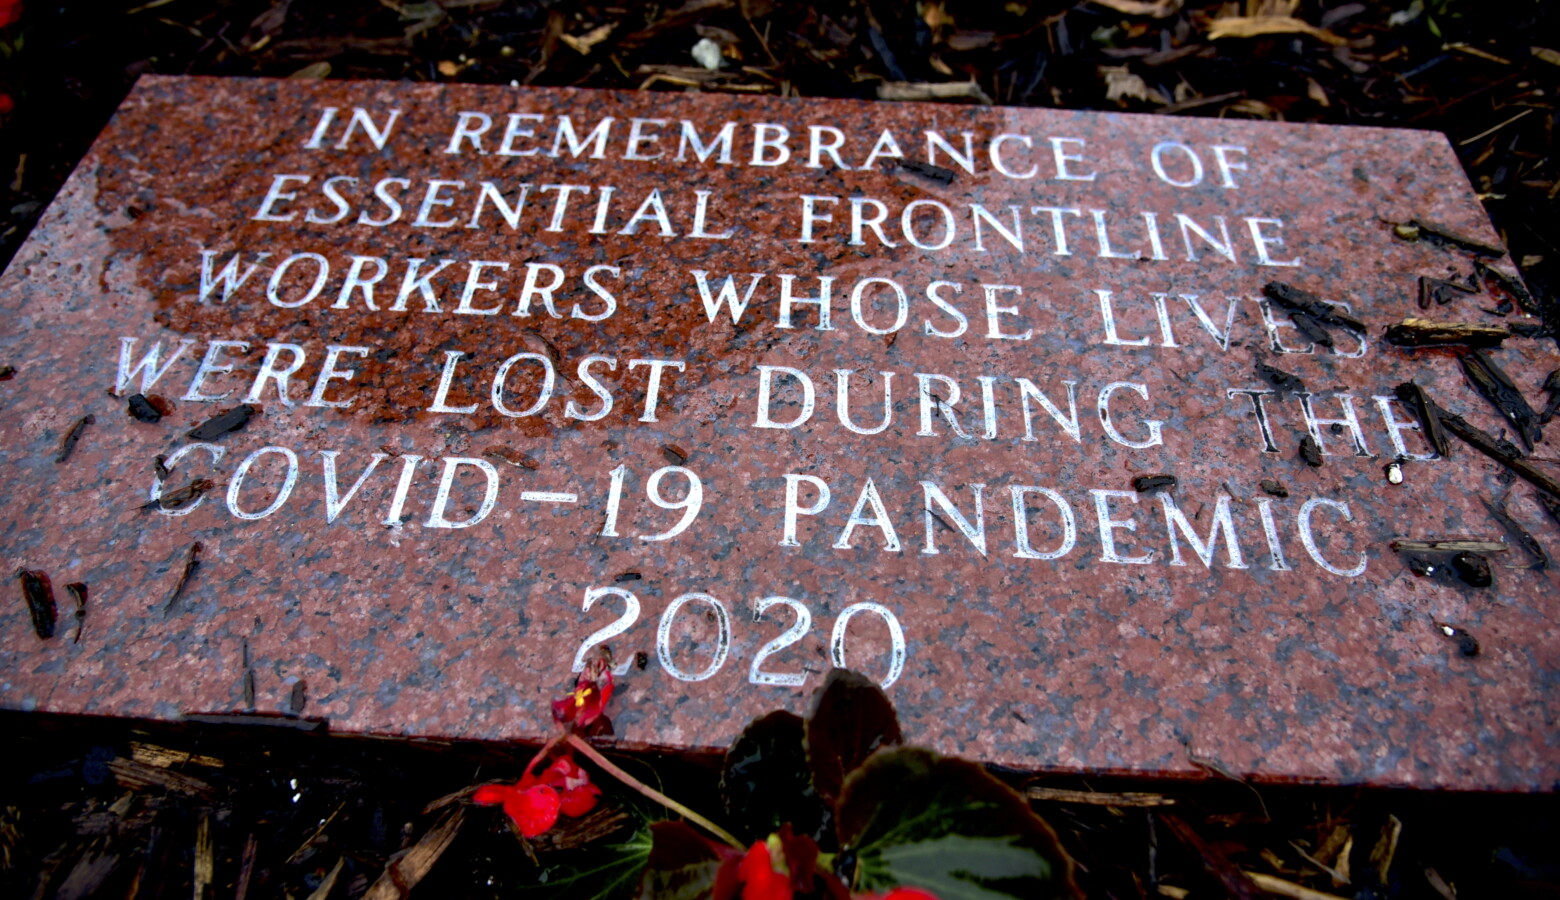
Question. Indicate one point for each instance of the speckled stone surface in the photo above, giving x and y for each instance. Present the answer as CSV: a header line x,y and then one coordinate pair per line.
x,y
1109,639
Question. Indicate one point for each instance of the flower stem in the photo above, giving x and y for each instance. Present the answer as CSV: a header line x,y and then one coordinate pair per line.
x,y
542,753
595,756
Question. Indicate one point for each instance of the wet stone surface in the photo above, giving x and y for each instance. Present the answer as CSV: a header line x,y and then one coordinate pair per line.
x,y
384,403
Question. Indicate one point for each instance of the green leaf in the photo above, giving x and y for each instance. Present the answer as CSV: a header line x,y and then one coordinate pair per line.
x,y
919,819
601,870
682,863
766,783
850,720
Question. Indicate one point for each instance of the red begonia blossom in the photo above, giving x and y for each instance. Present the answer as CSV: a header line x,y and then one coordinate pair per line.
x,y
534,802
586,703
10,12
760,880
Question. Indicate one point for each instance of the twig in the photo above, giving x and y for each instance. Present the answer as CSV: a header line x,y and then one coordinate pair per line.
x,y
1279,886
1487,132
595,756
1100,798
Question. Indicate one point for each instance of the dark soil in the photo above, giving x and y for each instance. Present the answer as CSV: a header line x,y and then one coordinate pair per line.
x,y
104,808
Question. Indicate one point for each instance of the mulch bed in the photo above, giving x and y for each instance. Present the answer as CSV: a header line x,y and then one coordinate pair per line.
x,y
104,808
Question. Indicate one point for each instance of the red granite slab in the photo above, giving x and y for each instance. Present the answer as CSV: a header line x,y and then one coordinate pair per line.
x,y
429,561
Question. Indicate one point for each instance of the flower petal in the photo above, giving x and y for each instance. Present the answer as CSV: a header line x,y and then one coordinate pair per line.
x,y
491,794
578,801
759,879
534,810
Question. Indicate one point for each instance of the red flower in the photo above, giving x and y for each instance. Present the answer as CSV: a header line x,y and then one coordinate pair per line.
x,y
534,802
533,809
10,12
592,689
760,880
898,893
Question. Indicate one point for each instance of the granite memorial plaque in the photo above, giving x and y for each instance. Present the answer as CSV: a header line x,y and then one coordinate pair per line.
x,y
1079,432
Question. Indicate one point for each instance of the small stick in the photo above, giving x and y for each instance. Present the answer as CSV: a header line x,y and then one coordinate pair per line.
x,y
594,756
1449,545
68,442
1100,798
1487,445
1275,885
191,563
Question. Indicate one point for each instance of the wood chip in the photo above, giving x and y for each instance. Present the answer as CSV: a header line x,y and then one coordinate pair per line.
x,y
1386,848
1492,448
224,423
205,858
942,90
1449,545
191,563
68,442
404,872
140,777
164,758
1494,385
38,594
1416,332
329,881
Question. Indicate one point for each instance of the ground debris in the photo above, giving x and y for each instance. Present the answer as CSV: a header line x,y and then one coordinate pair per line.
x,y
1473,569
1500,451
1099,798
224,423
1440,235
1439,291
1493,385
38,594
1412,394
183,496
142,410
1415,332
1522,536
404,872
1551,386
68,442
137,776
1311,452
1448,545
1466,644
191,563
511,456
78,593
1310,313
1279,379
1145,483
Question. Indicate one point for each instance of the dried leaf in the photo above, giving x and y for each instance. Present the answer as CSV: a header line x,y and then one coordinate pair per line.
x,y
1121,84
1314,90
312,72
1255,26
1159,9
